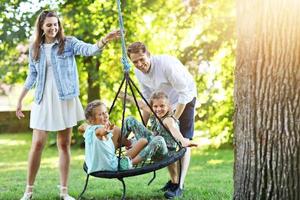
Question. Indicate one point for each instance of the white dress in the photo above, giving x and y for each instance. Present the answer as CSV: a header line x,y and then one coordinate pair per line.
x,y
54,114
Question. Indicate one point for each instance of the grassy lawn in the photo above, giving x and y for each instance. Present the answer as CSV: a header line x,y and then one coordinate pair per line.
x,y
209,176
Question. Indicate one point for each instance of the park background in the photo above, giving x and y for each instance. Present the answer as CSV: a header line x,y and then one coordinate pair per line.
x,y
244,57
200,33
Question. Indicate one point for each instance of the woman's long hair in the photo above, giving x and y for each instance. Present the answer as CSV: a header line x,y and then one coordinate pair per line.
x,y
40,36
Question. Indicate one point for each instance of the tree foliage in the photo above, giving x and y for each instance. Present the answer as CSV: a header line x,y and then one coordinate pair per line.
x,y
199,33
16,22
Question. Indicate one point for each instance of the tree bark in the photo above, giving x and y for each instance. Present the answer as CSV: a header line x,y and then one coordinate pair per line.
x,y
267,103
93,79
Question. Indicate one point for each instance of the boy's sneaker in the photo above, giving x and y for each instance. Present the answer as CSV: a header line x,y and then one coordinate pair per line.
x,y
167,186
125,163
174,192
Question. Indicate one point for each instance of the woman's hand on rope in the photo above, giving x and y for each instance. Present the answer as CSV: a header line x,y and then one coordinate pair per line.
x,y
113,35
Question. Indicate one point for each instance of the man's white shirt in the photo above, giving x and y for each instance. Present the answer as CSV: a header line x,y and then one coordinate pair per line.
x,y
167,74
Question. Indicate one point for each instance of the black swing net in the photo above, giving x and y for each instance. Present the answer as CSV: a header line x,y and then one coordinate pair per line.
x,y
146,166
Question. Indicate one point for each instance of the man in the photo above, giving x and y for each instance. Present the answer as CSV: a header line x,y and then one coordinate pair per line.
x,y
166,73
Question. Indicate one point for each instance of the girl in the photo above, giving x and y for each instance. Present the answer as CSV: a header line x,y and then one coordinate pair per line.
x,y
53,71
101,140
160,142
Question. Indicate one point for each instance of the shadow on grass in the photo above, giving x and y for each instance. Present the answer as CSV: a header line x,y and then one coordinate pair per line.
x,y
128,197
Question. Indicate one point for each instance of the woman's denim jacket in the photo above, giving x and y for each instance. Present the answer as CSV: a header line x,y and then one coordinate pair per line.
x,y
64,68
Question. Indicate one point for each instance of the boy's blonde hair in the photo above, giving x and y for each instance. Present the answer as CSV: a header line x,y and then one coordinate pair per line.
x,y
89,110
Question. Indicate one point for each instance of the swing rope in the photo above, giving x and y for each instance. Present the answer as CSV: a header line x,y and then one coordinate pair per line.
x,y
128,81
124,59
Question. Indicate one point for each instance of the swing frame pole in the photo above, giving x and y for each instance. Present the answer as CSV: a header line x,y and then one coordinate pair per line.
x,y
124,188
85,186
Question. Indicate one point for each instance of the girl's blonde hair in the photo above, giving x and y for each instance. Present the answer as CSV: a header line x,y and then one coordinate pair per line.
x,y
89,110
40,35
160,95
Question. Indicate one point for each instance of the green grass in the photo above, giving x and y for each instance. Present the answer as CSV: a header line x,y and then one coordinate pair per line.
x,y
209,176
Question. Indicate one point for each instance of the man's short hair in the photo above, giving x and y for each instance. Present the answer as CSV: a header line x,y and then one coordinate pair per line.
x,y
137,47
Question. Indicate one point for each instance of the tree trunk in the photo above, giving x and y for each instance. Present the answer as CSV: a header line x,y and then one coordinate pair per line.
x,y
93,79
267,102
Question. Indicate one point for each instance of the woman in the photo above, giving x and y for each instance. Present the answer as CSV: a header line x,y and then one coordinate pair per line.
x,y
56,107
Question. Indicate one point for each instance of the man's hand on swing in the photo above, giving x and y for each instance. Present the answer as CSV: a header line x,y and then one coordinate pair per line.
x,y
128,97
188,143
141,104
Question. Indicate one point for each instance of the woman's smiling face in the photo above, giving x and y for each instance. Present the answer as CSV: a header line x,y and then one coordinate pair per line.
x,y
50,28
